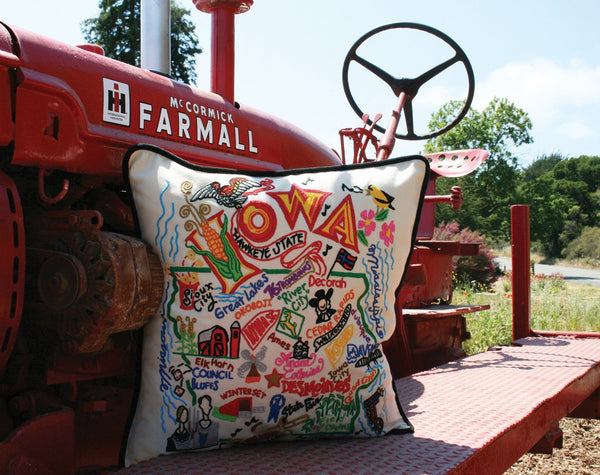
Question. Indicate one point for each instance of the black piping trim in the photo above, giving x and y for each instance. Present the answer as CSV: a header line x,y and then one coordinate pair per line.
x,y
276,173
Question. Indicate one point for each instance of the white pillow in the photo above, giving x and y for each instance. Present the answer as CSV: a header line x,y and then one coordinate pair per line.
x,y
279,290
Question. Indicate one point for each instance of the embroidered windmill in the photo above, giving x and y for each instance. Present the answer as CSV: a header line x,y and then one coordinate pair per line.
x,y
253,364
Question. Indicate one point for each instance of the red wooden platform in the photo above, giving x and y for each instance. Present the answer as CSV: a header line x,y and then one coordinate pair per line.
x,y
475,415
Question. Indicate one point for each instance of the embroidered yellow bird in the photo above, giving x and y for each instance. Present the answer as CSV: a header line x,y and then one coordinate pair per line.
x,y
381,199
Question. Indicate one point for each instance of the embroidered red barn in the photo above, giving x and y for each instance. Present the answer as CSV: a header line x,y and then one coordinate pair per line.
x,y
216,342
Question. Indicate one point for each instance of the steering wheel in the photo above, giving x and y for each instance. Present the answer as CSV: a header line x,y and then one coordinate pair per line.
x,y
410,86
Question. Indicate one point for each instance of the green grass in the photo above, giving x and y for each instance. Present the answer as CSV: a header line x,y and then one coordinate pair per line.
x,y
555,305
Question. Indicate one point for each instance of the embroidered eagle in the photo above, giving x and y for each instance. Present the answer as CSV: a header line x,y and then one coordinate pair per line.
x,y
230,196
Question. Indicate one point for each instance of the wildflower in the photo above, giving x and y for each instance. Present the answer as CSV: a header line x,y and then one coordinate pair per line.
x,y
387,233
368,224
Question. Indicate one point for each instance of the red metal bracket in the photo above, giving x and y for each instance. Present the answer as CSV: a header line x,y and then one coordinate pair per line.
x,y
361,138
42,190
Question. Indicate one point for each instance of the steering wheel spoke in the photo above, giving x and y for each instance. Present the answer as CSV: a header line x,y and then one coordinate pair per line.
x,y
380,73
440,68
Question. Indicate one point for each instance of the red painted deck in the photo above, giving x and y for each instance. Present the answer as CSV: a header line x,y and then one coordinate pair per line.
x,y
475,415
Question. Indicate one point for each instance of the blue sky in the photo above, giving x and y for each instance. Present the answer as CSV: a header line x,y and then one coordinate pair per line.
x,y
542,55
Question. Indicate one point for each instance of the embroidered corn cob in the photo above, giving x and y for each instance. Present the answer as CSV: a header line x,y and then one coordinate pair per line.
x,y
213,241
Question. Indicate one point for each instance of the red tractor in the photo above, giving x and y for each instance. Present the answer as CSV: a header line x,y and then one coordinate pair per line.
x,y
76,285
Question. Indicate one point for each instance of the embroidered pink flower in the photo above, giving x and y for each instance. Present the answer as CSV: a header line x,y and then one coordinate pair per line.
x,y
368,224
387,233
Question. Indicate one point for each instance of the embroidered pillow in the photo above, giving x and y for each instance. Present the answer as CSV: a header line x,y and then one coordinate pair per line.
x,y
279,291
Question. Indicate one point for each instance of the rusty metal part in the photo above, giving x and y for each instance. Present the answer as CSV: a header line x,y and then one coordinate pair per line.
x,y
82,220
12,266
61,281
42,188
114,211
97,284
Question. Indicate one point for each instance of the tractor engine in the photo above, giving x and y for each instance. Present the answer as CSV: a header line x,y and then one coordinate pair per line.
x,y
75,281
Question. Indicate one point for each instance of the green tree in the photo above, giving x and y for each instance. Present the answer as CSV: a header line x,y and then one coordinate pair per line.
x,y
541,165
489,191
583,168
548,211
117,30
563,200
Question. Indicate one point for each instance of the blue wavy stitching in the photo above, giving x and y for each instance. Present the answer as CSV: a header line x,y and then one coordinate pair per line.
x,y
386,269
389,260
162,238
162,205
165,300
167,402
380,379
169,344
163,314
367,299
162,416
232,297
171,246
176,242
365,427
390,266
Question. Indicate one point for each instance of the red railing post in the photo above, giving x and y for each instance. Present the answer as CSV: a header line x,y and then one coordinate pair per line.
x,y
520,242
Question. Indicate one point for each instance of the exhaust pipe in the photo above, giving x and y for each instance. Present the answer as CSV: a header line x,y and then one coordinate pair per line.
x,y
155,27
223,42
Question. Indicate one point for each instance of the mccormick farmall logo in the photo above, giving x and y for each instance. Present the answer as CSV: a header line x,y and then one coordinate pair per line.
x,y
116,102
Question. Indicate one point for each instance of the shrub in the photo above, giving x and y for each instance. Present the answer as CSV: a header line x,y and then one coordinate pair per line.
x,y
587,245
470,271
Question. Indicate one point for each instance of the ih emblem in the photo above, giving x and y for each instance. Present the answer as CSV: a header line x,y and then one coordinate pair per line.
x,y
116,102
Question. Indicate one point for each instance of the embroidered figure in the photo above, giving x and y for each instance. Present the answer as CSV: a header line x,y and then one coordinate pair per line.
x,y
181,438
208,431
321,302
